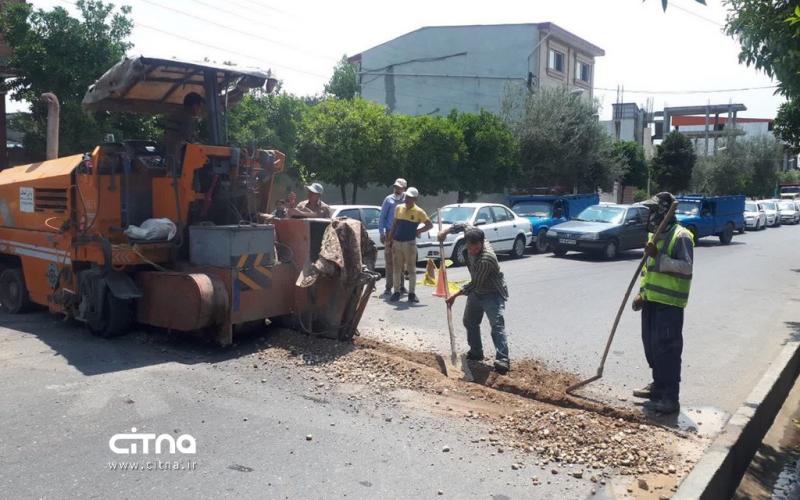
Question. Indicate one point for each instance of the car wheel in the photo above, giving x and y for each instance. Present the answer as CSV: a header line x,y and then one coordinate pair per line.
x,y
610,250
542,245
518,250
13,292
460,254
559,251
727,234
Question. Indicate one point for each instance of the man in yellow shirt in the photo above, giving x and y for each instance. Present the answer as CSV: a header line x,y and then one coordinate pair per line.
x,y
403,241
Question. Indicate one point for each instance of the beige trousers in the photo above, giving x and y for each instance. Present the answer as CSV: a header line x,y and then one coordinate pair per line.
x,y
404,255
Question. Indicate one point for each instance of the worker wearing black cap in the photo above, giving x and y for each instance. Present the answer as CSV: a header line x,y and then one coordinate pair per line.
x,y
664,293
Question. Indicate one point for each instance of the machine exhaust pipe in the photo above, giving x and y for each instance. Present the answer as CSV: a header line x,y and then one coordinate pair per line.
x,y
53,118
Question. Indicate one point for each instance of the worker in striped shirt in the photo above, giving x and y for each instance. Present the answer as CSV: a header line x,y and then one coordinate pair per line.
x,y
486,294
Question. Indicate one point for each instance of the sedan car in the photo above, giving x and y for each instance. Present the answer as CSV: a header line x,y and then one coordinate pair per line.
x,y
771,211
505,230
788,211
605,229
369,215
754,216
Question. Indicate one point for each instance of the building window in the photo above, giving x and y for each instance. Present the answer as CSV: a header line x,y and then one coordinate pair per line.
x,y
556,61
583,72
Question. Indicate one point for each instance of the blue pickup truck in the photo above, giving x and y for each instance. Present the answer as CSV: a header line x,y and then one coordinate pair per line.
x,y
712,215
546,210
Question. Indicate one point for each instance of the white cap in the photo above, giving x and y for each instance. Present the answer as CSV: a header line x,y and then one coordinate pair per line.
x,y
400,182
412,192
316,188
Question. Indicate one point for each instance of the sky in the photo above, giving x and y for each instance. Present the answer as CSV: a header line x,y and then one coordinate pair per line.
x,y
676,58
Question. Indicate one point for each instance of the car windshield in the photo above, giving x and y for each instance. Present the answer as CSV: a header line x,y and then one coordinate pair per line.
x,y
453,215
688,208
769,205
533,208
786,205
600,213
750,207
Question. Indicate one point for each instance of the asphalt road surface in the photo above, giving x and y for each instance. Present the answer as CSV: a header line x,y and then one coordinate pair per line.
x,y
64,393
743,306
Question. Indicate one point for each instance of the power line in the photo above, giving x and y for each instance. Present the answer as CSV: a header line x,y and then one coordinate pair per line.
x,y
236,30
695,14
266,7
216,47
685,92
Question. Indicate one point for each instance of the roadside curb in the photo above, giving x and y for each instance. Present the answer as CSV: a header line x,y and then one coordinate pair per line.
x,y
718,472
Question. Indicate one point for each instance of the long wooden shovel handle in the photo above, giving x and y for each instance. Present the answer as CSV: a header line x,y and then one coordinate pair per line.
x,y
656,238
443,274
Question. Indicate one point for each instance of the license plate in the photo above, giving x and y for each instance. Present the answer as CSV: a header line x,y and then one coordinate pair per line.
x,y
565,241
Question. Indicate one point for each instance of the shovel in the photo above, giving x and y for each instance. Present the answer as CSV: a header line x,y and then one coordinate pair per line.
x,y
656,237
456,365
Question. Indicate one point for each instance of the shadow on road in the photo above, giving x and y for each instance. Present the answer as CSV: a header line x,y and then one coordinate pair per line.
x,y
144,346
594,257
794,335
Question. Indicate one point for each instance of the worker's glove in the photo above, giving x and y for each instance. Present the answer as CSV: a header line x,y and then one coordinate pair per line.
x,y
638,302
651,250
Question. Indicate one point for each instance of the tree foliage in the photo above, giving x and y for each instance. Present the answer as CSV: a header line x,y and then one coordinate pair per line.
x,y
673,163
345,142
768,41
489,162
54,52
787,124
344,81
560,140
268,121
431,150
747,166
631,156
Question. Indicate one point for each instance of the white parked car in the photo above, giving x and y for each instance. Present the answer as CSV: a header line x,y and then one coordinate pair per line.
x,y
369,215
771,211
788,211
505,230
754,216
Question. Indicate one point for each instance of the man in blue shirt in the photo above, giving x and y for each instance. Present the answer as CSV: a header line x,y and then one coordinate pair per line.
x,y
388,209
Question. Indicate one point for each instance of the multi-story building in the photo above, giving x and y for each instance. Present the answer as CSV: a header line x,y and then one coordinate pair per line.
x,y
436,69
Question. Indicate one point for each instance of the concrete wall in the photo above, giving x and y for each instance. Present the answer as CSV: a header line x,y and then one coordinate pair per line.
x,y
491,56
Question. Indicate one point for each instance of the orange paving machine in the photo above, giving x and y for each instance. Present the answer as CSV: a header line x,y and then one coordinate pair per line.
x,y
134,232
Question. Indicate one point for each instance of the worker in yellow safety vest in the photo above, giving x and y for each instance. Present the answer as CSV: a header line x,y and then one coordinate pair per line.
x,y
664,293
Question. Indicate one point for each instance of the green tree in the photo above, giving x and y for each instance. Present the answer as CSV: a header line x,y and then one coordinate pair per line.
x,y
787,124
490,160
430,149
54,52
764,155
559,137
346,142
344,81
673,163
631,155
268,121
768,40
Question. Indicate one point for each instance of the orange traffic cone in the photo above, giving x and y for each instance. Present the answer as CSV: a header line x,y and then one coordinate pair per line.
x,y
441,290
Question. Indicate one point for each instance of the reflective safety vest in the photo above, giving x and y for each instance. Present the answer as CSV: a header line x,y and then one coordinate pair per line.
x,y
665,287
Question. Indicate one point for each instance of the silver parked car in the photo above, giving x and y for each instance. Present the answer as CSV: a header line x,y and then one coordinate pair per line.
x,y
754,216
788,212
771,211
505,230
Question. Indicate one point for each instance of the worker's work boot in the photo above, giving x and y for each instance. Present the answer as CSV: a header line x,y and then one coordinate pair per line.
x,y
475,356
663,406
412,297
645,392
395,297
502,366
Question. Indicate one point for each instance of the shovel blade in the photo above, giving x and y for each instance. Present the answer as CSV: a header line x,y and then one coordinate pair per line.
x,y
456,367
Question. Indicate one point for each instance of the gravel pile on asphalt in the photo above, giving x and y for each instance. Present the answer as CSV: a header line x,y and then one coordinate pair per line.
x,y
525,412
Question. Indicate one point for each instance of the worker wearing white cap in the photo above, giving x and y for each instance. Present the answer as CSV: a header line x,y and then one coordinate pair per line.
x,y
403,237
388,209
313,207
